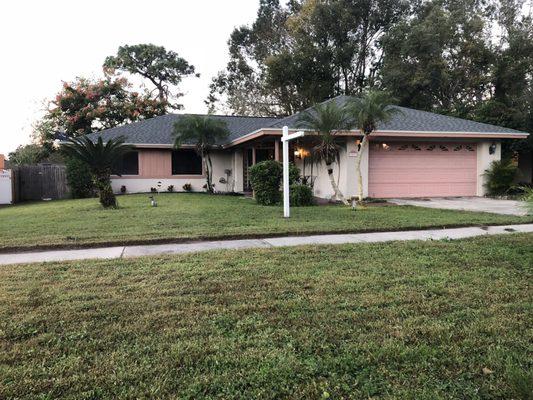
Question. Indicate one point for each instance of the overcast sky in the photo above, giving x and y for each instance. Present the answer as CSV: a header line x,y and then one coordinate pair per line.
x,y
46,42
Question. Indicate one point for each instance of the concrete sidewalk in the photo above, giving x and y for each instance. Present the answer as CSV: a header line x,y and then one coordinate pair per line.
x,y
183,248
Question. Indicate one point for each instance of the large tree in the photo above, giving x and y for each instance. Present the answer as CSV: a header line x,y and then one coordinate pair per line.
x,y
85,106
440,59
165,69
296,55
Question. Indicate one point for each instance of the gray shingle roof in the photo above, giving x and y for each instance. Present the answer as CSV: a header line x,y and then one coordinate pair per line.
x,y
158,130
410,120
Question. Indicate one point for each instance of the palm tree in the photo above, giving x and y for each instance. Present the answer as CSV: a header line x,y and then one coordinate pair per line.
x,y
368,111
205,132
100,158
327,120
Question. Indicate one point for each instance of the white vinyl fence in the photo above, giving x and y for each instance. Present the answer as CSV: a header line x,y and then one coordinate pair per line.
x,y
6,187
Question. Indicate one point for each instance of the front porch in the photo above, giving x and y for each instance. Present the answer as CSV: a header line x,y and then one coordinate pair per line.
x,y
270,148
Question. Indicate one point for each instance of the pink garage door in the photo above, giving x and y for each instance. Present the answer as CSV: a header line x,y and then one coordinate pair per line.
x,y
422,170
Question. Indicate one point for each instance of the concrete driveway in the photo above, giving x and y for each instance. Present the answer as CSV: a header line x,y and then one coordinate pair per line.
x,y
483,204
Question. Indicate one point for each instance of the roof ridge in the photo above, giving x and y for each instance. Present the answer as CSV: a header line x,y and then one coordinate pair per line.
x,y
456,118
223,115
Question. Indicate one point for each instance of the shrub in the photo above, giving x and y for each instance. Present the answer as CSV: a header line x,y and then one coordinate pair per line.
x,y
265,178
187,187
301,195
500,177
170,188
294,174
79,178
527,197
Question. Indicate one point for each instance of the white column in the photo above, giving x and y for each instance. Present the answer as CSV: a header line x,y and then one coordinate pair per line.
x,y
238,170
286,205
484,159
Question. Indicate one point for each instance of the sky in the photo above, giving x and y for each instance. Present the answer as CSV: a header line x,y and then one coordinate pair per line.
x,y
46,42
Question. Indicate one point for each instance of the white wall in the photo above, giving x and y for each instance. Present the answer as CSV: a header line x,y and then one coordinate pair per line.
x,y
6,188
221,161
347,178
484,159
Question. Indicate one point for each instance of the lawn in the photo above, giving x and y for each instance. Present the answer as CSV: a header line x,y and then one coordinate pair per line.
x,y
196,216
412,320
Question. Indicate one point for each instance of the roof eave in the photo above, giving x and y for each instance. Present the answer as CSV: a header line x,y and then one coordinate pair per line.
x,y
387,133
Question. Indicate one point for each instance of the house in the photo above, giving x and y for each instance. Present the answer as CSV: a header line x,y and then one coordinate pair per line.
x,y
415,154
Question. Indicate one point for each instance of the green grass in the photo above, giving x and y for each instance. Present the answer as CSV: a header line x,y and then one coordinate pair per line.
x,y
195,216
413,320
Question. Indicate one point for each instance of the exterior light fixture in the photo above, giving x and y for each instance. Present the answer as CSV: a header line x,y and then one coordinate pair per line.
x,y
492,148
385,146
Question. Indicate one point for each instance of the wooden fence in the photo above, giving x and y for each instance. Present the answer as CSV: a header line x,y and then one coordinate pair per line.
x,y
39,182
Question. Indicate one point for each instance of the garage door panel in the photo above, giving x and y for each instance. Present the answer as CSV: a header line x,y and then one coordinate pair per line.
x,y
427,176
422,170
436,190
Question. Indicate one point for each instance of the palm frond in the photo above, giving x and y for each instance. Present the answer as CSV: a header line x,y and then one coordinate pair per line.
x,y
327,120
96,155
203,131
371,109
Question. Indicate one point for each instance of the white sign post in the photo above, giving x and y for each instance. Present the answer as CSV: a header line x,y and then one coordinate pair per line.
x,y
285,140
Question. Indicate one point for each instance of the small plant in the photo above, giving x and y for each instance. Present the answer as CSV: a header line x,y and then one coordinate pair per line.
x,y
500,177
301,195
187,187
170,188
206,187
228,173
123,189
527,197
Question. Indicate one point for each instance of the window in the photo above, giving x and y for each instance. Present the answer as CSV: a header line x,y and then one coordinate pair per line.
x,y
186,162
128,164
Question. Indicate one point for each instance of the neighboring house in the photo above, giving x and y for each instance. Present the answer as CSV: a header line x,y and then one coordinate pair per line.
x,y
416,154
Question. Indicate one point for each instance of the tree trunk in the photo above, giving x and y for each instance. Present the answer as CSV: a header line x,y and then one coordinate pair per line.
x,y
210,173
102,182
364,144
336,190
207,166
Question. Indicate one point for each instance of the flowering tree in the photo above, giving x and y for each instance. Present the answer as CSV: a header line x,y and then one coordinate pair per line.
x,y
85,106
